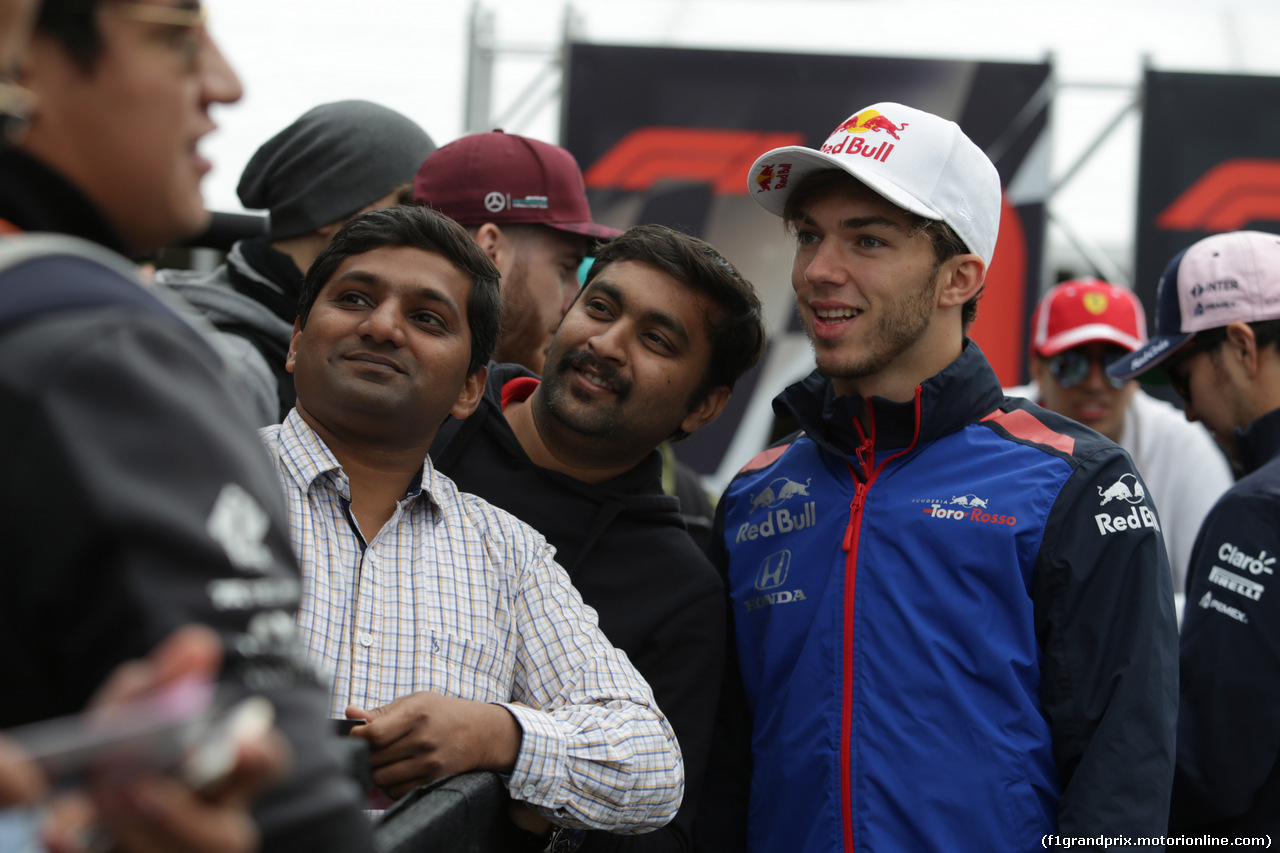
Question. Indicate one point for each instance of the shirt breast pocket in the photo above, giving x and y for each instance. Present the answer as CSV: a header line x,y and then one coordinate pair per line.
x,y
465,667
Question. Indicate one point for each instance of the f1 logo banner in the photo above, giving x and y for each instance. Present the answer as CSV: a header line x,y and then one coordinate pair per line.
x,y
667,135
1218,171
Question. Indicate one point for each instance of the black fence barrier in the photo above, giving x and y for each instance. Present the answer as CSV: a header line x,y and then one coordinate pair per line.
x,y
466,813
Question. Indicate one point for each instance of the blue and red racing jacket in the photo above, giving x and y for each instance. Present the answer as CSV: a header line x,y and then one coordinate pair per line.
x,y
955,629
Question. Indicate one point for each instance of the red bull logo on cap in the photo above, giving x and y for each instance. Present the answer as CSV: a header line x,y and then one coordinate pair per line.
x,y
871,120
769,172
867,121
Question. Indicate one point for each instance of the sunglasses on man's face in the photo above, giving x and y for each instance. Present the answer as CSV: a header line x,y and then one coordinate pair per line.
x,y
1071,367
1175,368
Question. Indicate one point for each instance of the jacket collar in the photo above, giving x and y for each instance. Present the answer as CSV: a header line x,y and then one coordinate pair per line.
x,y
36,198
961,393
1259,442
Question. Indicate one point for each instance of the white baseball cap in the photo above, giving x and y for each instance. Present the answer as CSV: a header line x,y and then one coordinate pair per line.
x,y
920,162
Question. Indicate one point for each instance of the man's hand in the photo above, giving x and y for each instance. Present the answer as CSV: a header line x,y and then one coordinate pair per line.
x,y
424,736
20,780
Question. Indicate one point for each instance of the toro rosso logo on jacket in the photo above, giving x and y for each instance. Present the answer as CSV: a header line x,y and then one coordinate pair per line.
x,y
779,519
771,575
968,507
1126,490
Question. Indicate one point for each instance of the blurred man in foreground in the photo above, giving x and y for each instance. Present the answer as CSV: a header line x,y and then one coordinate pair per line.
x,y
140,501
650,351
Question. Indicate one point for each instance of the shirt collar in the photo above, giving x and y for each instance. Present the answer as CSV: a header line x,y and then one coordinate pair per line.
x,y
308,459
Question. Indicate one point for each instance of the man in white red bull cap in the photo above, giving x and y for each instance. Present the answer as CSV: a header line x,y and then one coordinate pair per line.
x,y
1217,328
952,610
1078,328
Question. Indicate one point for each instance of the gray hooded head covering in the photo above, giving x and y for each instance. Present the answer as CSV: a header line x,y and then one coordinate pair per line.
x,y
332,161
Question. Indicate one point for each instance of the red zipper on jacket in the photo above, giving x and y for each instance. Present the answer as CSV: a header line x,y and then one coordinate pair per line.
x,y
866,454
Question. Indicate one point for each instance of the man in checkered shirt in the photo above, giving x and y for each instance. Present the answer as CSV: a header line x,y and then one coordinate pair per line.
x,y
444,622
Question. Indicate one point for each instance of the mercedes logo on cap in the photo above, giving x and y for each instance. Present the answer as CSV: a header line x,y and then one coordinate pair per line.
x,y
494,202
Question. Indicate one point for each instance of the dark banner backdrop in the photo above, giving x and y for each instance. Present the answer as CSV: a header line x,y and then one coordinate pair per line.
x,y
1209,162
666,135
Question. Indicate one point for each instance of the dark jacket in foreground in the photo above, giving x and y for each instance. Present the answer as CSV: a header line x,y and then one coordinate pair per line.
x,y
954,633
1228,774
626,549
138,499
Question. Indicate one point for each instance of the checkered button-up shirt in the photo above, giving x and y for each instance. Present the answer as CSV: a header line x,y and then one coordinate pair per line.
x,y
456,596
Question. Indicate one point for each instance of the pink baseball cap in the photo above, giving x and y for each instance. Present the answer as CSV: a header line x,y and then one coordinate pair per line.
x,y
1085,310
921,162
507,179
1223,279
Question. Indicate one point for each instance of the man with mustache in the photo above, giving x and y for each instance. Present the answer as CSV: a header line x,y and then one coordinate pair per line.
x,y
649,351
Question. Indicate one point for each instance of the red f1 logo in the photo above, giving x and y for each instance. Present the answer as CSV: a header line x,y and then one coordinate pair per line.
x,y
1226,198
651,154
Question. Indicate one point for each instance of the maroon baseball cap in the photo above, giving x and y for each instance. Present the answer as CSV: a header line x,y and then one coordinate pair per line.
x,y
507,179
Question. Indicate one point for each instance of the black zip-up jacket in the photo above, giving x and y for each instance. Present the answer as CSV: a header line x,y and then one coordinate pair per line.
x,y
625,546
138,499
1227,777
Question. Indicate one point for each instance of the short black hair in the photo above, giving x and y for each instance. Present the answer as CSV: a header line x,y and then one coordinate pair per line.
x,y
72,25
418,228
1265,333
736,328
945,241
